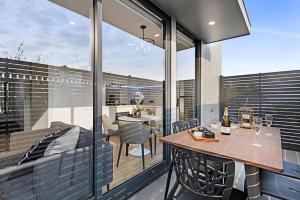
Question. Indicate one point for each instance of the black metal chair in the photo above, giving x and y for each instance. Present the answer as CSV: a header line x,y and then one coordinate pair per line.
x,y
194,122
285,185
177,126
180,126
202,176
134,133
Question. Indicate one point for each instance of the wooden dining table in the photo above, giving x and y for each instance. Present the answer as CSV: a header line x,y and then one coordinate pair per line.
x,y
239,147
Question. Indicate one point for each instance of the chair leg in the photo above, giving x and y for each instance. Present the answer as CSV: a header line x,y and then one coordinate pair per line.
x,y
150,143
107,138
119,155
127,145
168,180
143,155
107,187
154,144
172,192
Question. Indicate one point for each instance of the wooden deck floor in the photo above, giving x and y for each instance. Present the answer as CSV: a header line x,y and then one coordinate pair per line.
x,y
131,166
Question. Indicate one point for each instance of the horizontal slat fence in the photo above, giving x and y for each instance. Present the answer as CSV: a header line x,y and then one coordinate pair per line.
x,y
185,89
276,93
28,89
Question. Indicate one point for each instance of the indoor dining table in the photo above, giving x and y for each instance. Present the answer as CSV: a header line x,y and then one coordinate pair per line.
x,y
144,118
239,147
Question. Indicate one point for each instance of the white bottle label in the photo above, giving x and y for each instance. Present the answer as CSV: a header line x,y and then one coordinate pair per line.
x,y
225,129
246,116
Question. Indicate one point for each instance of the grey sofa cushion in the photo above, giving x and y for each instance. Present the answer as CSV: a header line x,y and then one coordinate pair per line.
x,y
65,142
85,136
37,150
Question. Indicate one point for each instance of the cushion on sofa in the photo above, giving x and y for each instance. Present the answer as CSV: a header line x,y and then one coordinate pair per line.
x,y
66,142
85,136
37,150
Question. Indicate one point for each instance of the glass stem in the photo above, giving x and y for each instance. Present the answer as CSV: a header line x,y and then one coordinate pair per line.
x,y
256,139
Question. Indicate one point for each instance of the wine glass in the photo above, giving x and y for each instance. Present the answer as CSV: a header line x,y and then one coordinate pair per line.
x,y
268,120
256,126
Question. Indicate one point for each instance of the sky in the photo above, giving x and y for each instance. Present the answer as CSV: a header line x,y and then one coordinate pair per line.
x,y
56,35
53,35
274,43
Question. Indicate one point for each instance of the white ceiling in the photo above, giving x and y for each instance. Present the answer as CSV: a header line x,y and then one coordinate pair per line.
x,y
230,17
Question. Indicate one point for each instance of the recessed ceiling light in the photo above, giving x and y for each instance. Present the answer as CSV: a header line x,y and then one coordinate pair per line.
x,y
130,44
156,35
211,23
72,23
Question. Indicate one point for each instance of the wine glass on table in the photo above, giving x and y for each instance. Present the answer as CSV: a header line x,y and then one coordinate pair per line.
x,y
256,126
269,121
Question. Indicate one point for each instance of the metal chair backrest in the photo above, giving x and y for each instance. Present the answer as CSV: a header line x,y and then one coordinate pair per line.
x,y
180,126
133,132
194,122
205,176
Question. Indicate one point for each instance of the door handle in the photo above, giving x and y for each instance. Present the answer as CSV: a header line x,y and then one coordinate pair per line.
x,y
6,105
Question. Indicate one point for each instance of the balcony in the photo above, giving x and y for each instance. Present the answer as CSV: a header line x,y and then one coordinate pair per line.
x,y
124,99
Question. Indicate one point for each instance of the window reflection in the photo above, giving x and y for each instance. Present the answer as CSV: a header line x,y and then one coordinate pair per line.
x,y
133,89
185,71
46,101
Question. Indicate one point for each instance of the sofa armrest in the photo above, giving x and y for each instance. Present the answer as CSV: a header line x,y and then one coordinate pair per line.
x,y
106,158
285,185
291,170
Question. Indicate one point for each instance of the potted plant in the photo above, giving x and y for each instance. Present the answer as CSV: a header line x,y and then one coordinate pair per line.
x,y
137,111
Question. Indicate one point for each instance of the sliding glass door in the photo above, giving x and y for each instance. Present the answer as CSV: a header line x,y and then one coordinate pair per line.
x,y
133,93
84,98
185,84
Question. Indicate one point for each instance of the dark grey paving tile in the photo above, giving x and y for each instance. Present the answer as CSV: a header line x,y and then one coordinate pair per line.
x,y
291,156
266,197
155,190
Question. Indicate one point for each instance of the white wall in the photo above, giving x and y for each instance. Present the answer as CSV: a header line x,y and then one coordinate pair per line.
x,y
211,68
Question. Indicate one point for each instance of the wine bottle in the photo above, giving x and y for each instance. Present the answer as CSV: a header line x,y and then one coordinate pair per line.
x,y
225,125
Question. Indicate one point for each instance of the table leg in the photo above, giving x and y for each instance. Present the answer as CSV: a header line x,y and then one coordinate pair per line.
x,y
253,183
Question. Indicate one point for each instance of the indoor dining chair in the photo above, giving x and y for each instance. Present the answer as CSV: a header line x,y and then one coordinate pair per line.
x,y
109,128
134,133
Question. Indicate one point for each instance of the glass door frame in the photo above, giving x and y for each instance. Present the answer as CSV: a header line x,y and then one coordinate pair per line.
x,y
131,186
197,46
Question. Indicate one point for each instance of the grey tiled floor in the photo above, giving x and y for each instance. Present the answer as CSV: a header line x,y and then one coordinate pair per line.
x,y
156,189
